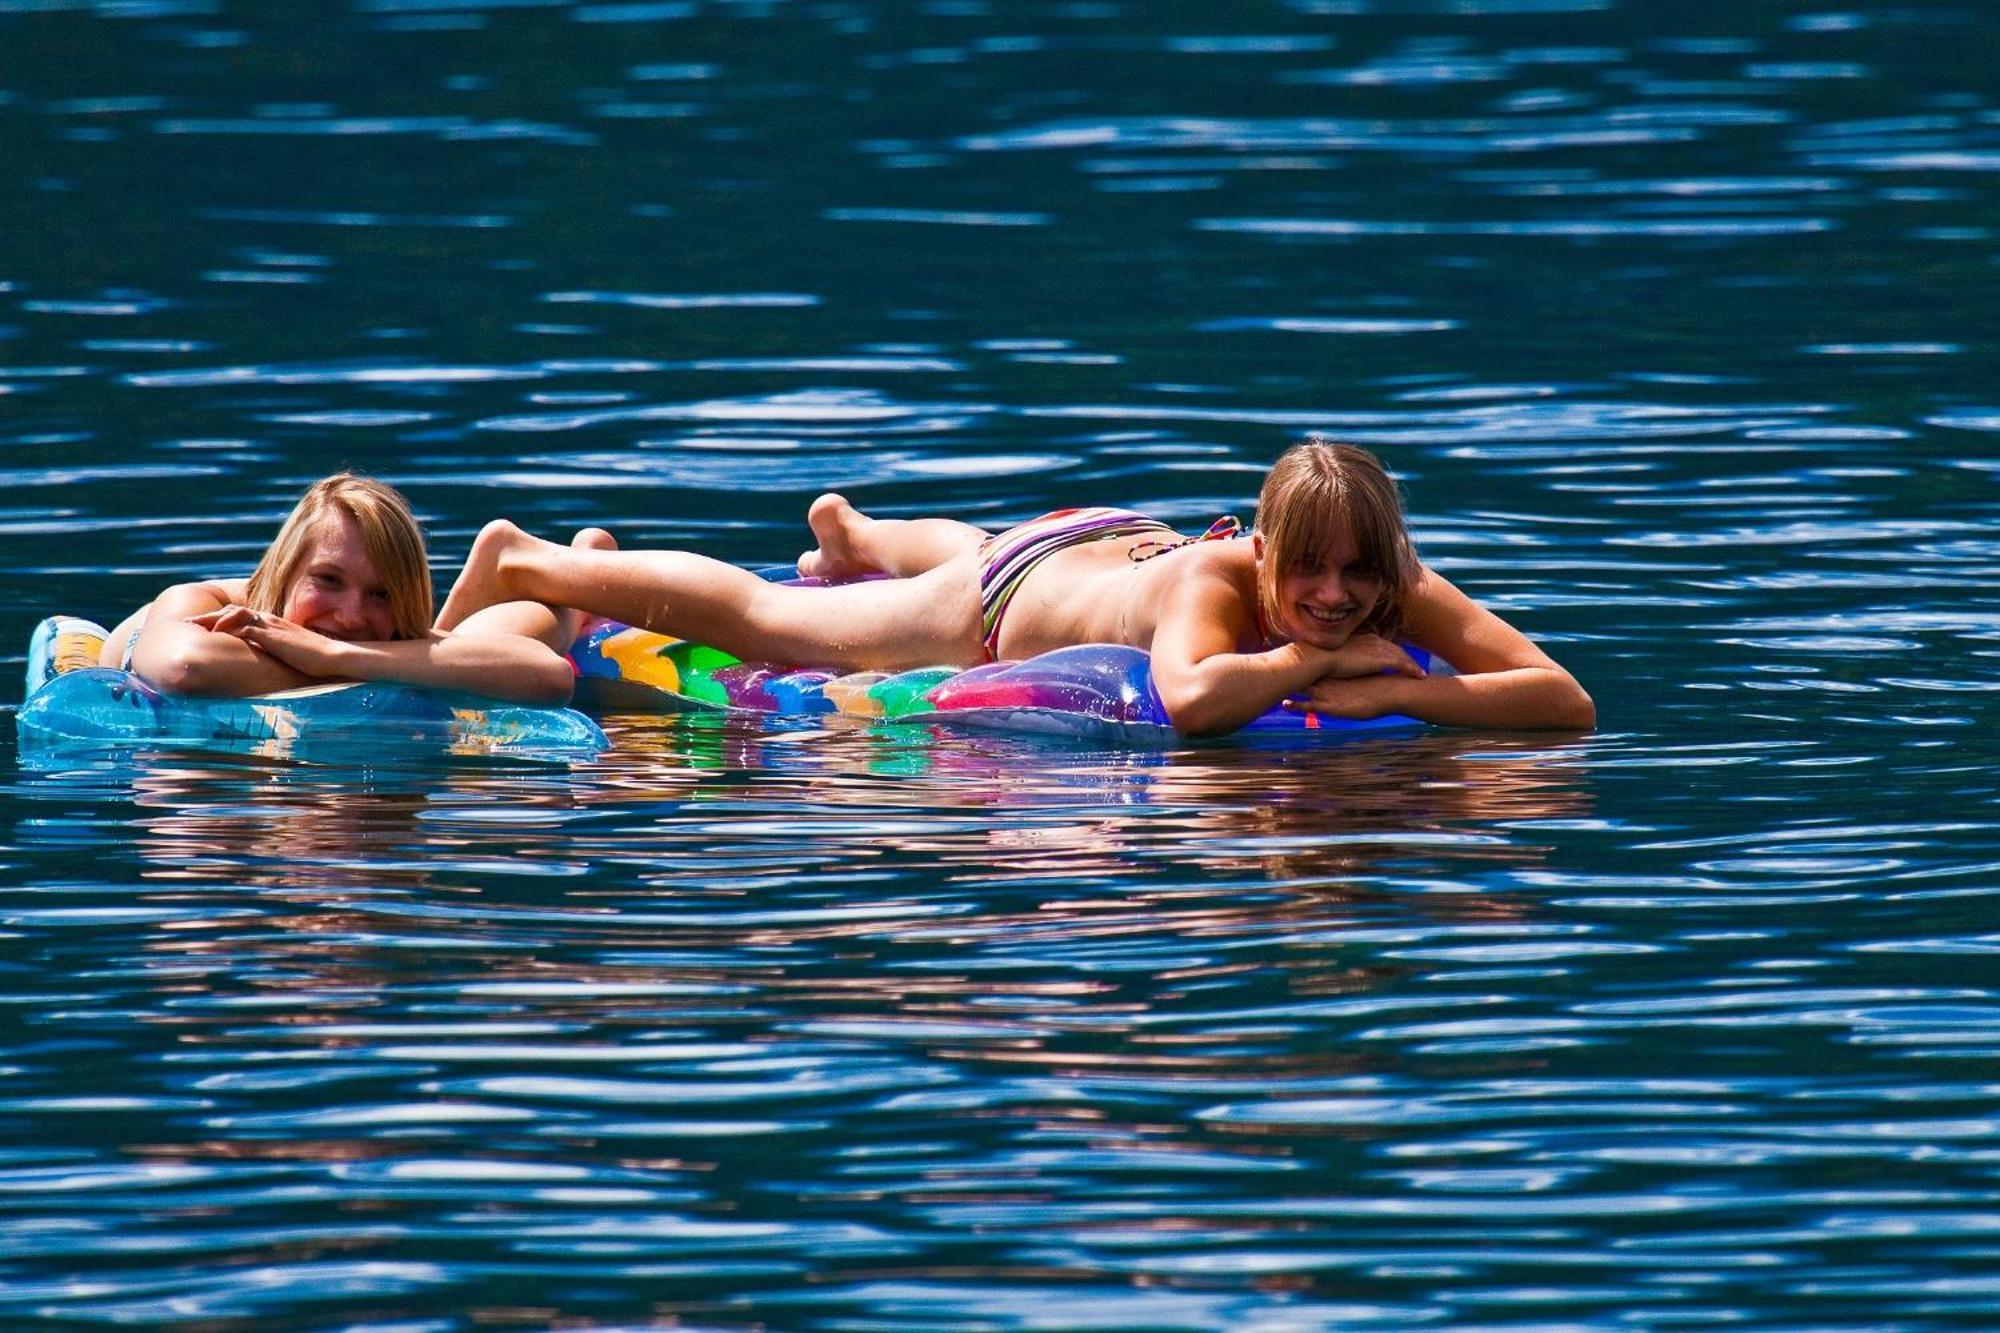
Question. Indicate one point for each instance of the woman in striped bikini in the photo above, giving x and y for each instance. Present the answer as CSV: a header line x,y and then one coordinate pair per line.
x,y
1308,604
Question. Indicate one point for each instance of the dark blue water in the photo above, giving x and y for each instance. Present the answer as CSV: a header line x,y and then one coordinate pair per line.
x,y
1677,320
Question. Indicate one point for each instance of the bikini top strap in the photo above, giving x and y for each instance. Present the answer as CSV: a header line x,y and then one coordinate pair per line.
x,y
1223,528
1263,630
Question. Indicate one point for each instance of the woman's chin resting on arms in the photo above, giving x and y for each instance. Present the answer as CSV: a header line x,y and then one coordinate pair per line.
x,y
1308,609
343,594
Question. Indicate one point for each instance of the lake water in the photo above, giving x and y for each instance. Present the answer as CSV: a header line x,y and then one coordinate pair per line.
x,y
1676,319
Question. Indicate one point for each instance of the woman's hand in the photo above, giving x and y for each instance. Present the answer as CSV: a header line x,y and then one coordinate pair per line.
x,y
1356,697
1368,655
303,650
201,640
498,665
1363,679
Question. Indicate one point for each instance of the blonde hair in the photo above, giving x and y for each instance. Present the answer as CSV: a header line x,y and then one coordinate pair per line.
x,y
389,532
1316,490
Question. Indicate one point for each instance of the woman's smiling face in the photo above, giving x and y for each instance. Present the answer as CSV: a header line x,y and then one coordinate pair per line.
x,y
1322,607
337,591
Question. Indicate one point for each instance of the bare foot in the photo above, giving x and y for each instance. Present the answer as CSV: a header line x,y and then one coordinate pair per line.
x,y
836,525
574,624
482,583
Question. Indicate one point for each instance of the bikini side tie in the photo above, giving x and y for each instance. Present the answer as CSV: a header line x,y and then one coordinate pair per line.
x,y
1222,529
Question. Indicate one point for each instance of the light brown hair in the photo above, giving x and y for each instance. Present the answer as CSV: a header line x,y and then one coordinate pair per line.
x,y
1314,490
389,532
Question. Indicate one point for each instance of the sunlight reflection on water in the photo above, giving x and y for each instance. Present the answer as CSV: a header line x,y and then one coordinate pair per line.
x,y
1675,331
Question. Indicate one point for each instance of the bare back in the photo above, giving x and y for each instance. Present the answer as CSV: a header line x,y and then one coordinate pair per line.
x,y
1096,593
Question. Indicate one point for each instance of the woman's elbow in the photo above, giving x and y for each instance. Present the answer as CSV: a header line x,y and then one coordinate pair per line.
x,y
1198,727
1192,715
183,671
1586,713
1575,710
508,667
550,684
545,685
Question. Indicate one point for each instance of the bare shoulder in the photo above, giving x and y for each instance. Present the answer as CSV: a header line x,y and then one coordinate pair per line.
x,y
1440,617
1210,570
1208,593
194,599
1231,562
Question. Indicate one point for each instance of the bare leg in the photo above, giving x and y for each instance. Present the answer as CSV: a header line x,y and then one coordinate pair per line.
x,y
852,543
930,619
556,626
572,623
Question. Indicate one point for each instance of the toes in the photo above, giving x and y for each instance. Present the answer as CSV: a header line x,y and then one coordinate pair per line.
x,y
829,516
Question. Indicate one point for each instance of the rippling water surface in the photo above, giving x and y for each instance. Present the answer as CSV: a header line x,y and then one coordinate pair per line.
x,y
1677,321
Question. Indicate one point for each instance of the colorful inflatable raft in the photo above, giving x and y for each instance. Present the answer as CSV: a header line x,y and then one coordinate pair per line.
x,y
71,703
1100,690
